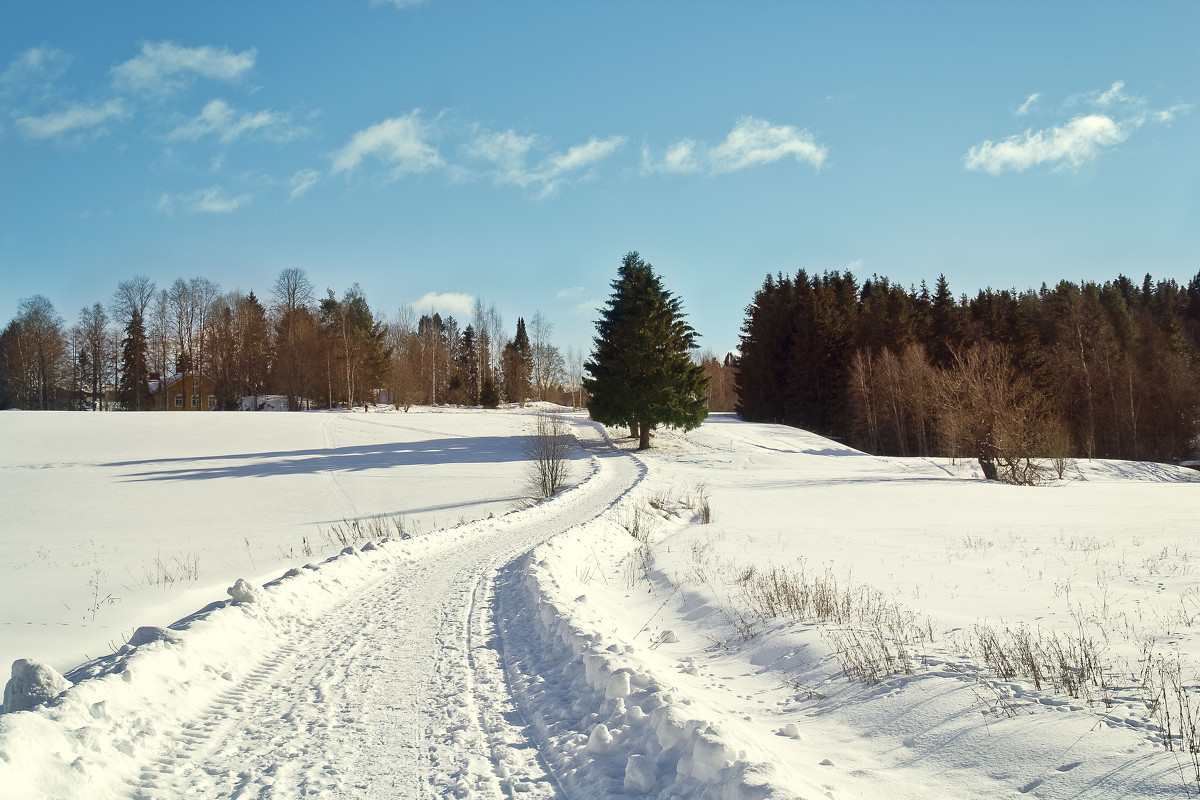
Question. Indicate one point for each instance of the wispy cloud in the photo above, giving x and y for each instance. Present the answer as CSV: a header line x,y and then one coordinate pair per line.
x,y
76,119
752,142
302,181
213,200
451,302
1117,115
400,142
396,3
1169,114
510,152
1028,104
219,119
165,67
1070,145
34,69
1114,95
570,291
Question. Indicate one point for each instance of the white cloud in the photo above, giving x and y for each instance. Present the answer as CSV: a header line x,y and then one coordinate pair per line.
x,y
1168,115
451,302
582,155
755,141
400,141
509,151
752,142
165,67
1071,145
401,4
33,67
1028,104
75,119
1113,95
681,157
213,200
302,181
219,119
571,291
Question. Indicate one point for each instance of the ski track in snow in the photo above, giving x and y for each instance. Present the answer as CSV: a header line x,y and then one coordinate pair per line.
x,y
409,700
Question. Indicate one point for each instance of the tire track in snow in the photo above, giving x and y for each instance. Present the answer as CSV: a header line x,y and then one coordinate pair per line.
x,y
398,692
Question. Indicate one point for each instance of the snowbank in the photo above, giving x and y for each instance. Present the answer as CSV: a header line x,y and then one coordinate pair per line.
x,y
609,724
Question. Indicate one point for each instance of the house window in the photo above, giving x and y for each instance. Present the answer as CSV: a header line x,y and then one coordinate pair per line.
x,y
179,401
212,402
195,401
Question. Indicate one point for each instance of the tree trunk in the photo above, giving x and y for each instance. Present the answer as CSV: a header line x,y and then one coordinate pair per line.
x,y
987,461
633,432
644,443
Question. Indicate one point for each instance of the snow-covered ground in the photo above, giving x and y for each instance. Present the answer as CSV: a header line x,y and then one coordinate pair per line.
x,y
547,652
112,521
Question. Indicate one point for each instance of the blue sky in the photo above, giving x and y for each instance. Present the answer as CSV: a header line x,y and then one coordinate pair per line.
x,y
515,151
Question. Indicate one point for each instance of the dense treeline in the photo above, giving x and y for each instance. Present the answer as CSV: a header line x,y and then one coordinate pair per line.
x,y
1106,370
316,352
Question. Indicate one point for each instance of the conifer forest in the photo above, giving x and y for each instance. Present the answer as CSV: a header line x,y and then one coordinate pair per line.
x,y
1106,370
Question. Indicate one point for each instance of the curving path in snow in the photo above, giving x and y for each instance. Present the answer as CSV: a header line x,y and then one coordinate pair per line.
x,y
396,692
377,674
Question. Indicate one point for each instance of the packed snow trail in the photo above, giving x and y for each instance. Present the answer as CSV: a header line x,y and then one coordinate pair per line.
x,y
398,692
392,685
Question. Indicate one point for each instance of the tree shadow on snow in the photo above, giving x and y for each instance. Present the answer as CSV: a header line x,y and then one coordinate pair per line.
x,y
356,458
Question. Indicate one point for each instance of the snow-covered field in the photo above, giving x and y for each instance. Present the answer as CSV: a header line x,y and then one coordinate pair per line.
x,y
112,521
547,652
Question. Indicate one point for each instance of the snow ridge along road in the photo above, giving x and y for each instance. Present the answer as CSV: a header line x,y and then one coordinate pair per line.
x,y
374,674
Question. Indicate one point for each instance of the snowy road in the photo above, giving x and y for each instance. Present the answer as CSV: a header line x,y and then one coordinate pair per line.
x,y
397,692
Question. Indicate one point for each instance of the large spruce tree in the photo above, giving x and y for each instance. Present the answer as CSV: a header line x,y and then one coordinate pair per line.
x,y
642,373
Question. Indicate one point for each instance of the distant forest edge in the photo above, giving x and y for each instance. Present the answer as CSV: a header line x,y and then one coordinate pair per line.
x,y
317,352
1106,370
1078,370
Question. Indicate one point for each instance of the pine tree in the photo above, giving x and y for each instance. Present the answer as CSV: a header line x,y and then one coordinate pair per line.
x,y
134,390
642,374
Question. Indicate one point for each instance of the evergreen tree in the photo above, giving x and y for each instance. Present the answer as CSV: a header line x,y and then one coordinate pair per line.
x,y
517,365
641,371
134,390
489,395
467,366
766,345
945,330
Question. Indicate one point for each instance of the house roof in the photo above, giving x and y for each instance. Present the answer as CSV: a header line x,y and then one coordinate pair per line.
x,y
170,381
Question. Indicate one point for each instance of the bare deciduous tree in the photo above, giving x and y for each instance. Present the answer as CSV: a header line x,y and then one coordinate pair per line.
x,y
989,410
131,295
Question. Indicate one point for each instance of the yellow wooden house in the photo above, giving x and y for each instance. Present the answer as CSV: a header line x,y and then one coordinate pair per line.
x,y
184,391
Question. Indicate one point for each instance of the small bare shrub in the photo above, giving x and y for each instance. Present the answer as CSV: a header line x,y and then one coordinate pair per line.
x,y
548,450
185,568
1175,707
697,501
